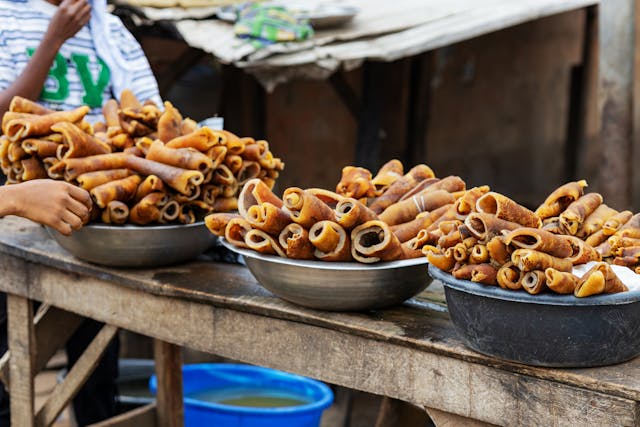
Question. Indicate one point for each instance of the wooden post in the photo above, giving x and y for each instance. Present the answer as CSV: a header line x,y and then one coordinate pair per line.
x,y
23,353
616,58
168,359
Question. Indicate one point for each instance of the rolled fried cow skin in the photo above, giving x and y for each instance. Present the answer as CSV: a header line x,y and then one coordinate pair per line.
x,y
373,241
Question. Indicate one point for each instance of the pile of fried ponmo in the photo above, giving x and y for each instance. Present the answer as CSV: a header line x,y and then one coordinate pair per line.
x,y
142,165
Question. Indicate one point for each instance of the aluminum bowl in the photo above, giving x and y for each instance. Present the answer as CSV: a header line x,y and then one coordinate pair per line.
x,y
546,329
137,246
337,286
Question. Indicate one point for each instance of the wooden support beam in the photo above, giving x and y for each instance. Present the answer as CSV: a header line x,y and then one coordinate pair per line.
x,y
169,373
145,416
53,327
22,345
75,379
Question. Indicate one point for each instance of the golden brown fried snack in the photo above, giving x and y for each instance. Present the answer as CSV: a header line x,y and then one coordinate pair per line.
x,y
185,158
248,170
478,254
484,273
612,225
331,241
201,139
596,238
169,123
294,239
595,221
217,222
148,209
467,203
91,180
509,276
355,183
561,282
183,180
581,251
599,279
498,251
268,218
72,168
373,241
237,145
539,240
40,147
400,187
32,169
76,143
351,213
236,231
443,261
389,173
577,212
23,105
306,209
451,184
116,213
505,208
485,227
329,197
529,260
255,192
410,229
407,210
234,163
261,242
225,204
121,189
148,185
29,125
561,198
110,113
534,282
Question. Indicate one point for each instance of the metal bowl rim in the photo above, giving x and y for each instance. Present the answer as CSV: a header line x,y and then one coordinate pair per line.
x,y
496,292
97,226
324,265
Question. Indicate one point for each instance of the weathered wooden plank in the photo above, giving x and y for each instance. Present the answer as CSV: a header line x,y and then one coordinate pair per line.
x,y
145,416
22,346
53,327
420,377
414,325
75,379
168,359
444,419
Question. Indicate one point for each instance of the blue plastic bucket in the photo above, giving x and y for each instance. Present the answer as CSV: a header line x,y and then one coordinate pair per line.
x,y
227,378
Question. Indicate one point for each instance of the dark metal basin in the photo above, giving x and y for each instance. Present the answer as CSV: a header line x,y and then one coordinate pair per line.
x,y
544,330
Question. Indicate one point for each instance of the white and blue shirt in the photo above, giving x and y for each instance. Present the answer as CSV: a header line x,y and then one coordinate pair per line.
x,y
78,76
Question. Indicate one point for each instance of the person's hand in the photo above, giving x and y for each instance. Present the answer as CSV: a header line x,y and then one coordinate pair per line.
x,y
70,17
58,204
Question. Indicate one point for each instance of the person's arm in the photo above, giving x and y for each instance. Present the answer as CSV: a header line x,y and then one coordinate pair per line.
x,y
58,204
70,17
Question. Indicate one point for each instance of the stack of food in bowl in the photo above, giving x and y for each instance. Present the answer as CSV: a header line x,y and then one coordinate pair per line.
x,y
142,165
152,175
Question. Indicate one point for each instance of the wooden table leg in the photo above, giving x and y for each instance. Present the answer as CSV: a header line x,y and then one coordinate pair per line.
x,y
21,365
168,359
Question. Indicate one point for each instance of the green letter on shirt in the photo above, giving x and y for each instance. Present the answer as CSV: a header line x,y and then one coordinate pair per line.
x,y
92,92
58,72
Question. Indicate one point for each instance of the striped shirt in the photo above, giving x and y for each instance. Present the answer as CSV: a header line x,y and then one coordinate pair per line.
x,y
77,76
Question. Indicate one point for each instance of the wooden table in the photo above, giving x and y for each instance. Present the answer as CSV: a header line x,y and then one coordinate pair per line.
x,y
409,352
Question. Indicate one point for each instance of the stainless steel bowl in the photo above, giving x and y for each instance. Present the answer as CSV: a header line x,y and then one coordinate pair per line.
x,y
137,246
337,286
